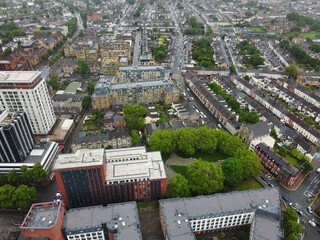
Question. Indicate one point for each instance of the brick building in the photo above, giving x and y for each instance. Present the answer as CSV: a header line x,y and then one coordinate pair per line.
x,y
52,221
285,171
98,176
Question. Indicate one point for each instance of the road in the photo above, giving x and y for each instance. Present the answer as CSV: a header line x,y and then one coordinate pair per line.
x,y
308,188
79,22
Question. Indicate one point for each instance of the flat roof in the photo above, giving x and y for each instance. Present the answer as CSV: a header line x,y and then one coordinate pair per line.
x,y
264,202
133,163
122,217
81,158
43,215
18,76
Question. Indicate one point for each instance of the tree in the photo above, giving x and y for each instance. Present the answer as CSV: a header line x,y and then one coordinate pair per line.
x,y
24,196
246,77
273,133
186,141
232,69
233,171
178,187
250,161
26,174
3,179
54,82
134,116
290,214
135,136
86,101
223,235
38,174
294,152
308,166
292,227
83,67
204,177
283,151
163,141
36,31
141,123
292,70
6,196
292,236
253,117
206,140
90,87
13,177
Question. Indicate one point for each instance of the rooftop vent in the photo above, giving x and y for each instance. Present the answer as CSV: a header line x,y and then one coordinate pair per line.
x,y
179,222
43,219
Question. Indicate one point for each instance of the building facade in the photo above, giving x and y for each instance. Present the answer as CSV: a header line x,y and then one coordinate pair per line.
x,y
140,73
110,66
183,218
107,93
98,176
51,221
16,137
26,91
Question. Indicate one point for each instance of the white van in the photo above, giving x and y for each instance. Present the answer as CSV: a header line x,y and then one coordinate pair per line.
x,y
312,223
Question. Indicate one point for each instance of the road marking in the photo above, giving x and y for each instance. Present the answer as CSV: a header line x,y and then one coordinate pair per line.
x,y
308,194
298,205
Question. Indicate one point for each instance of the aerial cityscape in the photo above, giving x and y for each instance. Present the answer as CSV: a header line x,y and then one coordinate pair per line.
x,y
159,120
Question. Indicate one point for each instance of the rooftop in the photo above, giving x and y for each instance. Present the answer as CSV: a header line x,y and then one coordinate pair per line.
x,y
122,218
43,215
18,76
265,203
131,163
81,158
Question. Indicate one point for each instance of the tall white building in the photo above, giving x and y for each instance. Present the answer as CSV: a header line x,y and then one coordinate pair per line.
x,y
26,91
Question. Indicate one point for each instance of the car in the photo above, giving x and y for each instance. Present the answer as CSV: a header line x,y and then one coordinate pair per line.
x,y
316,221
309,200
300,213
318,170
309,209
293,206
284,198
263,177
192,98
270,184
312,223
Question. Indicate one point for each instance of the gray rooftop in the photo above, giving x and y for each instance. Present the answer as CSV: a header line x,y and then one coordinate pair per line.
x,y
72,88
122,217
264,202
259,129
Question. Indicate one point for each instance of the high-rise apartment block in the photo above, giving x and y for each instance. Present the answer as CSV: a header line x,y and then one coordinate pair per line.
x,y
26,91
140,73
16,137
52,221
98,176
183,218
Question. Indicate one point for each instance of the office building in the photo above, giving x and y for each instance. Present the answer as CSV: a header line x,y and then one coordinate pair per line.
x,y
183,218
98,176
52,221
107,92
110,66
16,137
26,91
140,73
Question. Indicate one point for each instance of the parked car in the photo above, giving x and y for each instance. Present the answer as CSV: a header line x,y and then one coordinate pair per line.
x,y
293,206
309,199
318,170
263,177
300,212
312,223
284,198
270,184
309,209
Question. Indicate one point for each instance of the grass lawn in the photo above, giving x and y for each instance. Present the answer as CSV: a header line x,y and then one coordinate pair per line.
x,y
258,29
146,204
210,157
89,127
180,169
292,160
311,34
248,184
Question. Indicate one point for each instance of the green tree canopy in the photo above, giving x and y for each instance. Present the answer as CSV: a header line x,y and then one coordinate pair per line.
x,y
186,141
54,82
290,214
26,174
308,166
233,171
292,227
292,70
13,177
91,86
250,161
204,177
163,140
134,116
86,101
178,187
3,179
24,196
6,196
38,174
83,67
283,151
135,136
